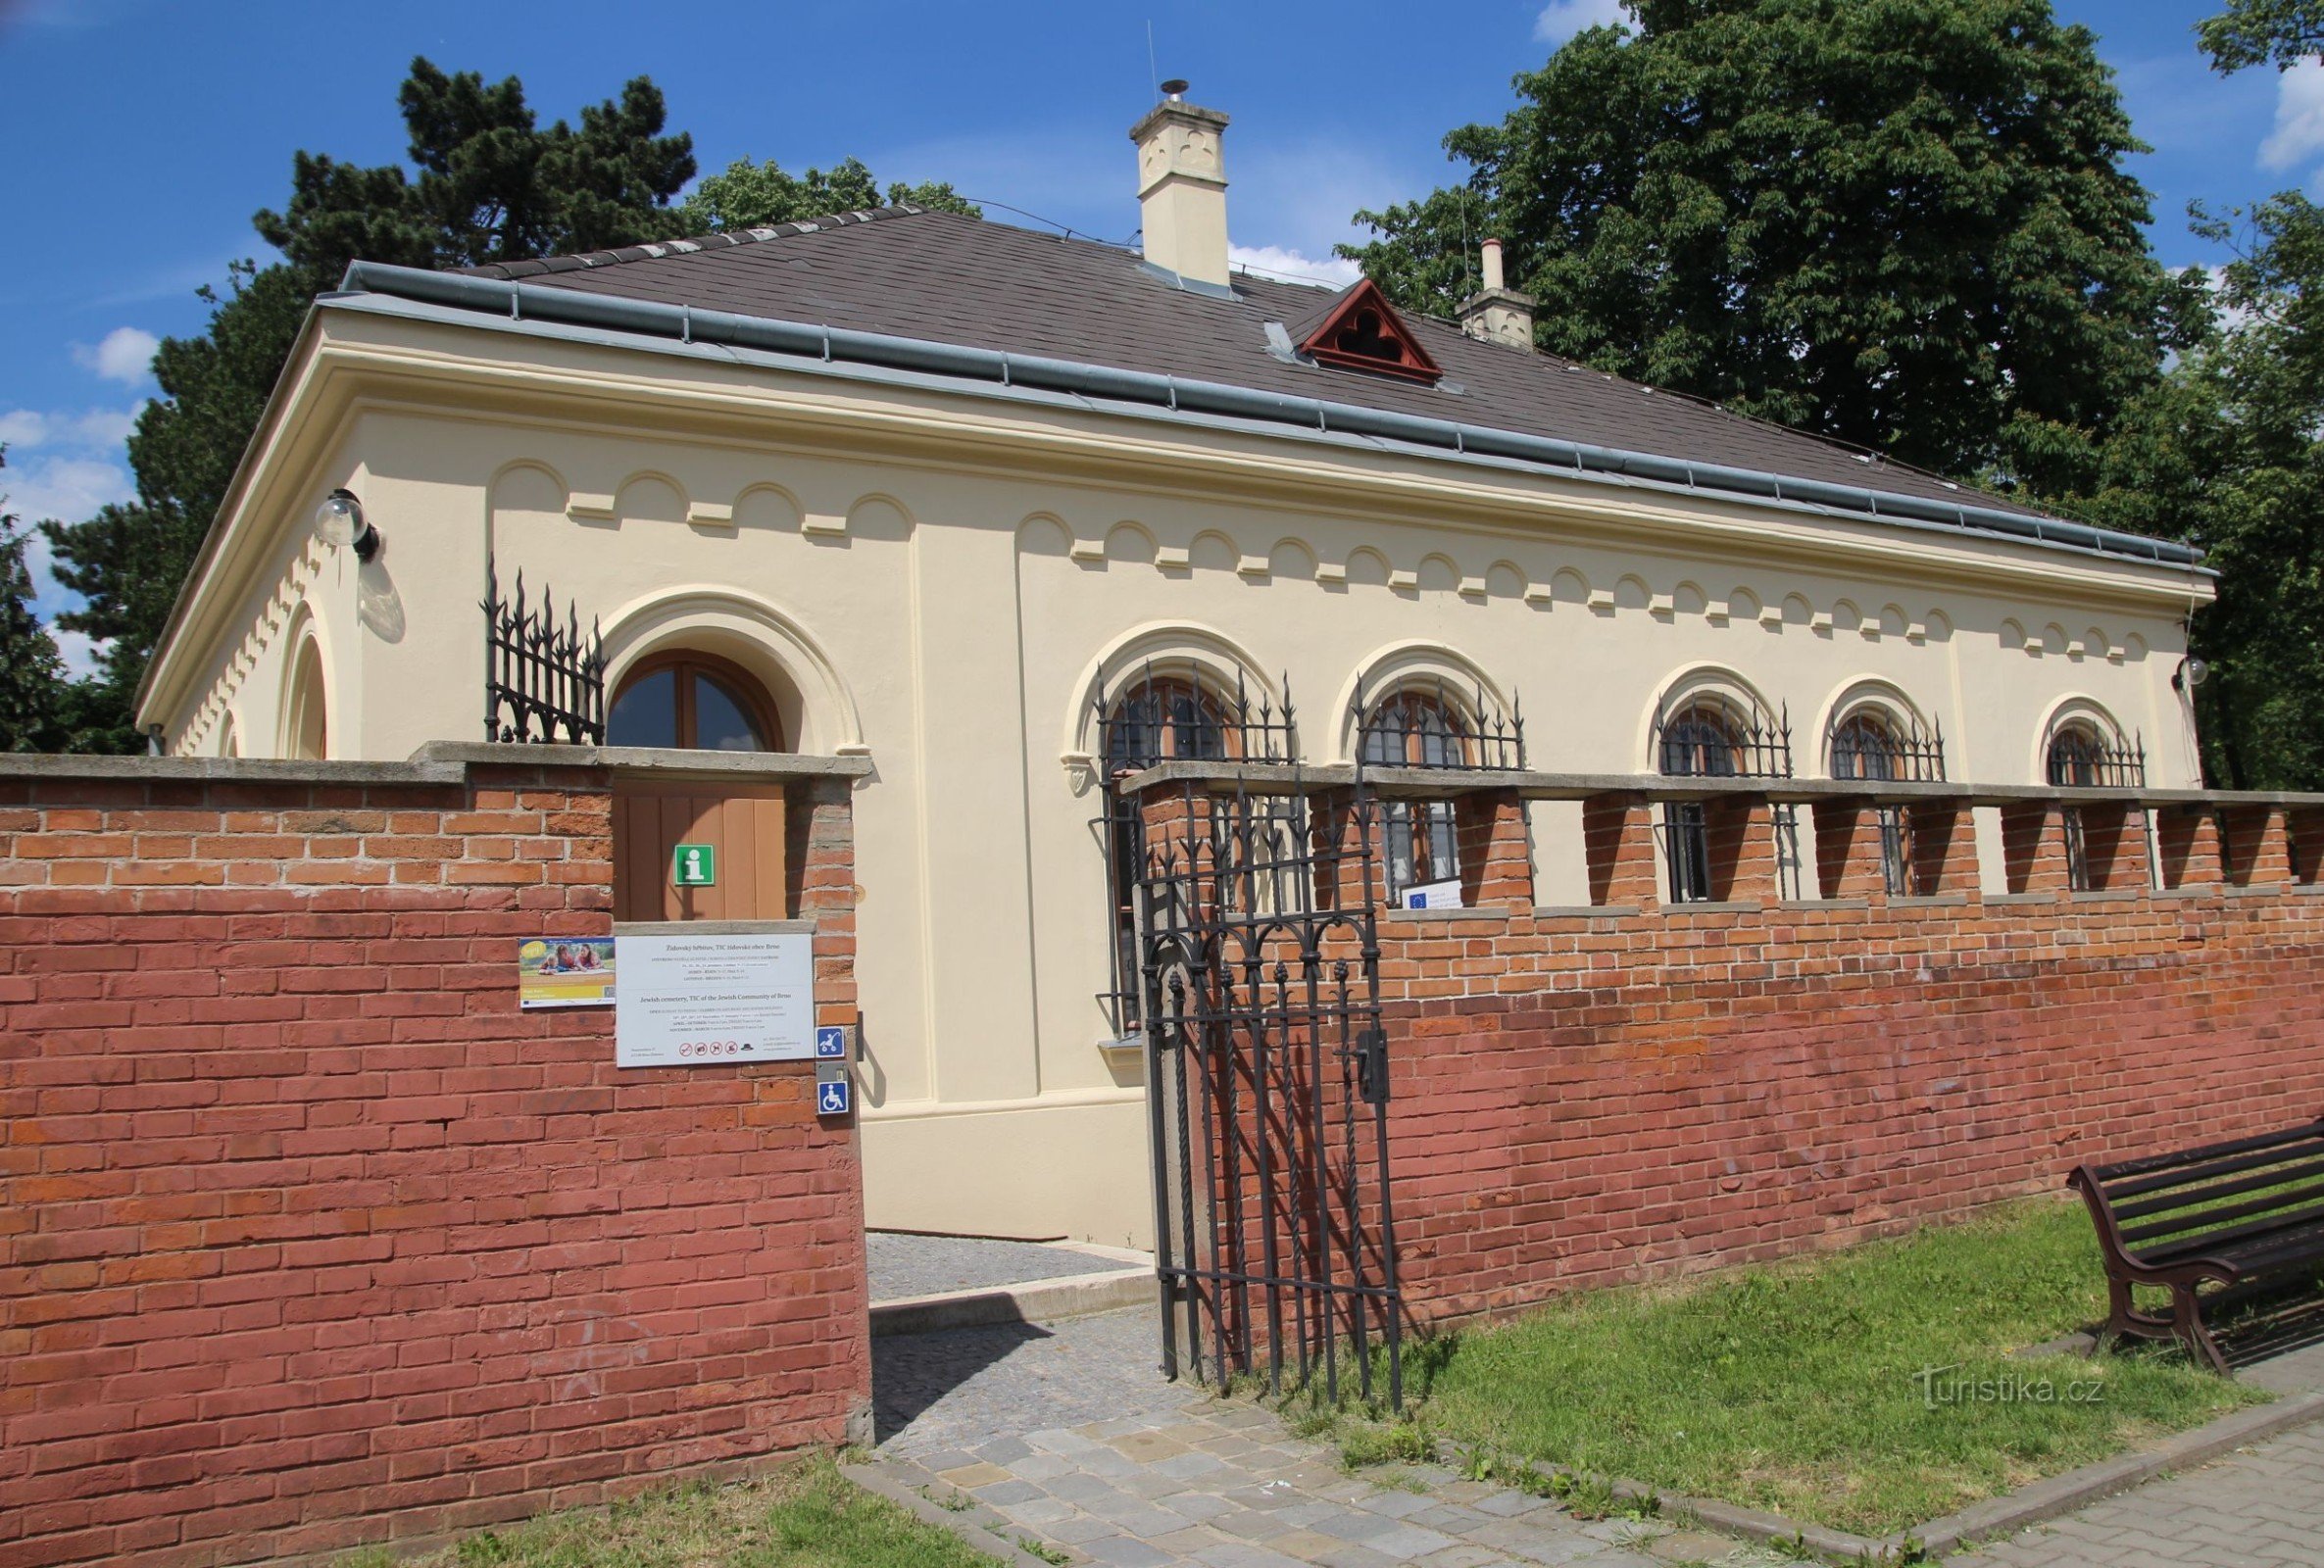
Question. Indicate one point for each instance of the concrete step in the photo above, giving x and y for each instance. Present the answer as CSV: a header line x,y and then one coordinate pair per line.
x,y
1031,1302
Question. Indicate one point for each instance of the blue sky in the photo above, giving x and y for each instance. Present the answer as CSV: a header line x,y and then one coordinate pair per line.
x,y
144,134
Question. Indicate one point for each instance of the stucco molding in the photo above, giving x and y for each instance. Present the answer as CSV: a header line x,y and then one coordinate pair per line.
x,y
828,718
2065,710
1404,662
1168,647
1703,678
1853,695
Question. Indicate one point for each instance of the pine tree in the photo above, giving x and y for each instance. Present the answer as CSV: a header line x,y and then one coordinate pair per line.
x,y
31,674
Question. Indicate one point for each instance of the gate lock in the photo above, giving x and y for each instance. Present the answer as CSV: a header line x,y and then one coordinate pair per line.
x,y
1371,1065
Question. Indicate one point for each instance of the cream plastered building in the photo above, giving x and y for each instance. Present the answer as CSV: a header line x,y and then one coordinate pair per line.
x,y
939,488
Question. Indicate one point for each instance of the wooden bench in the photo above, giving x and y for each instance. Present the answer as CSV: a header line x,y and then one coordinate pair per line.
x,y
2226,1214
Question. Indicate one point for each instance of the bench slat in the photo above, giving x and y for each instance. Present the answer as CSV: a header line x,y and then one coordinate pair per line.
x,y
2182,1176
2221,1242
2306,1172
2290,1250
2191,1156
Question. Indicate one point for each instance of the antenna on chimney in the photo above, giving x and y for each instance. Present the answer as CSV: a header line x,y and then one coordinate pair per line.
x,y
1153,71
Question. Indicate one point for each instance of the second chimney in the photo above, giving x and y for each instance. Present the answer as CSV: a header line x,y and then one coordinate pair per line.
x,y
1497,313
1182,189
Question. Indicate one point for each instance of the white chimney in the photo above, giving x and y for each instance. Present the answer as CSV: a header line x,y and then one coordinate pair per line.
x,y
1497,313
1182,187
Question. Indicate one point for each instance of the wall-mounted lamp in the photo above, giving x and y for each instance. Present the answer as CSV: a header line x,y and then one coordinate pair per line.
x,y
2190,673
339,521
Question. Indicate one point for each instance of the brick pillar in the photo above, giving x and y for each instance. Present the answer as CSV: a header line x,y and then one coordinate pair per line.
x,y
1944,848
1847,850
819,814
2306,823
1740,832
2114,844
1618,842
2034,848
2256,853
1495,861
1338,838
2187,844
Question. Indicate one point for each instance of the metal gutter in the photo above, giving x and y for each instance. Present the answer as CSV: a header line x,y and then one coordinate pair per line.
x,y
520,302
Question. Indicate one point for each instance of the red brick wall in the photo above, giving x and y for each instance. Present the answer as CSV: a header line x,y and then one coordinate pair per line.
x,y
1583,1099
309,1237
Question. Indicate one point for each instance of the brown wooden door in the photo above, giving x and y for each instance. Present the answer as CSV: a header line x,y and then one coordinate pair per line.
x,y
744,823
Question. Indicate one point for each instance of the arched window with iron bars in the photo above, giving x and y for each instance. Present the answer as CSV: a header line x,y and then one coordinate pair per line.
x,y
1167,713
1873,744
2084,753
1710,735
1418,727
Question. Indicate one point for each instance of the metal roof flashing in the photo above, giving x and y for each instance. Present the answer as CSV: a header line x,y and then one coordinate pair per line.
x,y
1000,373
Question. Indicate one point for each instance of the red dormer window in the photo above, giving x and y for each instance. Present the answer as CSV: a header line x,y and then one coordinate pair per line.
x,y
1359,330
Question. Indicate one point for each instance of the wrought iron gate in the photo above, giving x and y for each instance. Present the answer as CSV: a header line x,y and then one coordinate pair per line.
x,y
1267,1085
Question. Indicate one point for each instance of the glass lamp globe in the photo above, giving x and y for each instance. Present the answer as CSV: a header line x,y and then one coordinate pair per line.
x,y
338,519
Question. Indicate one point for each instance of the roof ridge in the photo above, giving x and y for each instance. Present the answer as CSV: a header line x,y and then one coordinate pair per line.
x,y
655,250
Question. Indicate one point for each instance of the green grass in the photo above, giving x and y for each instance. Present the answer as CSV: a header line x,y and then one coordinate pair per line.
x,y
1791,1388
807,1515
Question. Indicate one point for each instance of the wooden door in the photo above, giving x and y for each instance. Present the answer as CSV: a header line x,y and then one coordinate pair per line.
x,y
744,823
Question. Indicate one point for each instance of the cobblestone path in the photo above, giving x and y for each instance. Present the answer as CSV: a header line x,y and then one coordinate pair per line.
x,y
2262,1508
1066,1433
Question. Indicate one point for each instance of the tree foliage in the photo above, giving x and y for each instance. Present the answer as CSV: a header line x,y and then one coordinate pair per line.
x,y
2252,33
752,195
491,185
488,184
1903,223
32,675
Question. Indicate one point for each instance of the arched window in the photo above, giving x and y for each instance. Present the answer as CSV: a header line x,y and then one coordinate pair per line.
x,y
1702,740
693,702
1164,719
307,730
1713,736
2078,756
1417,728
1154,719
1868,744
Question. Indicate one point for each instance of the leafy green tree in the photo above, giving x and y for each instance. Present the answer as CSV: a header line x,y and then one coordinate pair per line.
x,y
31,674
752,195
1904,224
490,185
2251,32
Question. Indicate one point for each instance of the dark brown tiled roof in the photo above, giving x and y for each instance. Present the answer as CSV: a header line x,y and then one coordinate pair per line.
x,y
946,278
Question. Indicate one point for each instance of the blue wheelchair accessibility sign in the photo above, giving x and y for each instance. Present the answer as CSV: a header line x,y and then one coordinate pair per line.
x,y
830,1100
830,1043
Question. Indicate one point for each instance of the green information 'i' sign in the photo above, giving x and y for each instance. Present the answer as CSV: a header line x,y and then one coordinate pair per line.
x,y
694,866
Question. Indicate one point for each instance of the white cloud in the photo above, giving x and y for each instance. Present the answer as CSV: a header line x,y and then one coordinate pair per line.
x,y
1278,261
66,488
2299,117
1561,20
22,428
81,652
126,355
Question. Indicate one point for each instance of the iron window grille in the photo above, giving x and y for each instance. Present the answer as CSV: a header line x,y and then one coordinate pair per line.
x,y
1423,725
1872,746
1168,714
543,682
2082,757
1706,737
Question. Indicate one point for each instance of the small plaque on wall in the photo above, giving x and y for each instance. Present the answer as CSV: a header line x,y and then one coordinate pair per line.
x,y
695,999
564,973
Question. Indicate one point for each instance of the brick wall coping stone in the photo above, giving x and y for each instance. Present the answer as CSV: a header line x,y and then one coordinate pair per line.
x,y
1491,913
717,928
1296,778
436,763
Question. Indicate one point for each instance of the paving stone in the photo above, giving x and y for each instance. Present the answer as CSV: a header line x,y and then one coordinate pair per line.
x,y
1065,1433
